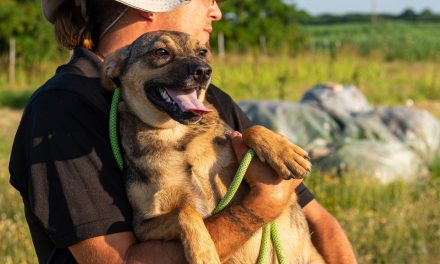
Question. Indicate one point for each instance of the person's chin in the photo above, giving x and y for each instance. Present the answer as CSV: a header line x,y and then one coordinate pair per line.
x,y
205,37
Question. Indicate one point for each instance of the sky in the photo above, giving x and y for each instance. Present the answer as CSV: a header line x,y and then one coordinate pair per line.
x,y
315,7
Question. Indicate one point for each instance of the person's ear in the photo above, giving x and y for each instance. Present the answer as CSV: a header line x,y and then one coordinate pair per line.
x,y
112,68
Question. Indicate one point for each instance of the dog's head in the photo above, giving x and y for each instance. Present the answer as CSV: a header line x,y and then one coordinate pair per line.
x,y
163,77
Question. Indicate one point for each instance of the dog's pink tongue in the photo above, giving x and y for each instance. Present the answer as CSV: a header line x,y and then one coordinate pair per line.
x,y
188,102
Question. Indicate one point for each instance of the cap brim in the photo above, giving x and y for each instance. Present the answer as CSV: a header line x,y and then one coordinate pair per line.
x,y
155,6
50,7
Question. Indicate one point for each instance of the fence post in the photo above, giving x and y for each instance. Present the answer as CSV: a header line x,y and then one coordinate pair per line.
x,y
263,47
12,62
221,45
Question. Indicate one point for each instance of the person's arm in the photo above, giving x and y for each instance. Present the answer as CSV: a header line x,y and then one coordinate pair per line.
x,y
327,235
230,229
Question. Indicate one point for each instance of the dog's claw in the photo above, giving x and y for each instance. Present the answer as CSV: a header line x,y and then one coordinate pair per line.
x,y
287,159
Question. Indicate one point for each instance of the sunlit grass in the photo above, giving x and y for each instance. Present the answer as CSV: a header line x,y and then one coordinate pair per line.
x,y
397,223
15,242
284,77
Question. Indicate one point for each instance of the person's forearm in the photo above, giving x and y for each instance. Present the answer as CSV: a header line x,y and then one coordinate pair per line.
x,y
229,230
232,228
332,244
328,236
164,252
235,225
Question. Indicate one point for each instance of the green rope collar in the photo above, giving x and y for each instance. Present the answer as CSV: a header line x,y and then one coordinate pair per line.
x,y
270,231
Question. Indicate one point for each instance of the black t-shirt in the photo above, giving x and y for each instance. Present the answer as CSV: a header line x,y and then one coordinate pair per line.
x,y
63,166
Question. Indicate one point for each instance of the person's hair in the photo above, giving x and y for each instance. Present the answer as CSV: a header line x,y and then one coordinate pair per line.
x,y
73,29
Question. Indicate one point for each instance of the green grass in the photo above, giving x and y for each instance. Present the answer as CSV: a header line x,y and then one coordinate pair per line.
x,y
284,77
395,40
397,223
14,99
15,243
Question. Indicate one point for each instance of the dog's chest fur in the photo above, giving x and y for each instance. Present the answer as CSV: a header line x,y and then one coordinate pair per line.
x,y
166,168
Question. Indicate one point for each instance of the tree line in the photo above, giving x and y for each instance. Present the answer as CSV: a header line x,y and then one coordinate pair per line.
x,y
406,15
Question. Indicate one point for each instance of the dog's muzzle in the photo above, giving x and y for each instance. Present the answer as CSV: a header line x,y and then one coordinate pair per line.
x,y
182,101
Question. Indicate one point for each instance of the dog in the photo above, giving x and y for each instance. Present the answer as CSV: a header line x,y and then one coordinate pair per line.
x,y
178,156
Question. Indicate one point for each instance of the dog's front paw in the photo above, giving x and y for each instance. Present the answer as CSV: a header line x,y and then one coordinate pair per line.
x,y
287,159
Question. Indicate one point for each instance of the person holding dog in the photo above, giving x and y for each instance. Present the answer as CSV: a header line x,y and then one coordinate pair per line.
x,y
62,164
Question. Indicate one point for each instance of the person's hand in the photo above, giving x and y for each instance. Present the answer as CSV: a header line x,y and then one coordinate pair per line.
x,y
269,193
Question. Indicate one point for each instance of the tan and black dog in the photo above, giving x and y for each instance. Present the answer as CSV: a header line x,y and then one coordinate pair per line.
x,y
179,160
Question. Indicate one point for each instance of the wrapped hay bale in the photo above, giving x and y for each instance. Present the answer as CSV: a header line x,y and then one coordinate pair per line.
x,y
302,124
346,136
384,161
340,101
416,128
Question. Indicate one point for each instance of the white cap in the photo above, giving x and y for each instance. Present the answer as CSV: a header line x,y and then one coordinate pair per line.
x,y
50,7
155,6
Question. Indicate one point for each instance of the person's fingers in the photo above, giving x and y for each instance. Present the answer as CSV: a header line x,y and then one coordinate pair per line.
x,y
239,147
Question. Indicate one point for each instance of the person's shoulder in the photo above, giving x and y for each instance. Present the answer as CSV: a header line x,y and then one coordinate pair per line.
x,y
217,96
69,83
67,92
215,90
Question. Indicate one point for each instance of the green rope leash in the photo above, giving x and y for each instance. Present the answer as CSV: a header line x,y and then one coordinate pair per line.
x,y
113,128
265,245
275,235
236,181
269,231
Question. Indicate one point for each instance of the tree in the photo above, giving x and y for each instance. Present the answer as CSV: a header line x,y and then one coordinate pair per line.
x,y
246,21
23,20
408,14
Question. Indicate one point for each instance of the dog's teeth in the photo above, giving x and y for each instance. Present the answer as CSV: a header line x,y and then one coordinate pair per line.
x,y
163,93
165,96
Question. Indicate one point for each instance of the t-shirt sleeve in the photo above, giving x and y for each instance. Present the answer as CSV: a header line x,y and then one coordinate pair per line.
x,y
232,114
75,188
305,196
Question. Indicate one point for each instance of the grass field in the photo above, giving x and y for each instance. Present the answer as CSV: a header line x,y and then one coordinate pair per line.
x,y
285,77
15,243
397,223
394,40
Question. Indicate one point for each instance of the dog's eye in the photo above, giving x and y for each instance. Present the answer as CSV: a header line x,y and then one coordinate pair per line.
x,y
161,52
202,52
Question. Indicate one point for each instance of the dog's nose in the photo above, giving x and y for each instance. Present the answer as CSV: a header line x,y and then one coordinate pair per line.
x,y
202,73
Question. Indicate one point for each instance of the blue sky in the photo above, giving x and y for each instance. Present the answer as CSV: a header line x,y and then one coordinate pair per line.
x,y
365,6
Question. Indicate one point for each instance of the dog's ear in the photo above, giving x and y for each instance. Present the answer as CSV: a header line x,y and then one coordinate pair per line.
x,y
111,70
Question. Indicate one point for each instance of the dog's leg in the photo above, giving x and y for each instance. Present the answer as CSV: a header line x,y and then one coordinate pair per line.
x,y
164,227
287,159
196,240
197,243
